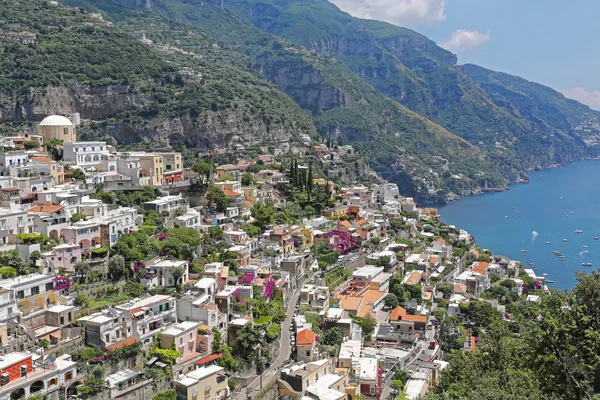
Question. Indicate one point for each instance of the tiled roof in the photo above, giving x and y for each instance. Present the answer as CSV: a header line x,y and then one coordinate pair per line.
x,y
50,208
228,192
397,313
480,267
414,318
43,159
306,337
351,303
123,343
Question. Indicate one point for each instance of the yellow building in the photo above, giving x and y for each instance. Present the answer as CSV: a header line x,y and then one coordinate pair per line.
x,y
50,167
57,127
153,164
172,167
203,383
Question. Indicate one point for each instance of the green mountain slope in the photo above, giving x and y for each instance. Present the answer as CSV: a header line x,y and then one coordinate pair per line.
x,y
411,69
81,63
425,159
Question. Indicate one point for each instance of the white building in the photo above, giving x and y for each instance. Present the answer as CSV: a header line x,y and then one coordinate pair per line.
x,y
85,154
149,316
161,274
167,203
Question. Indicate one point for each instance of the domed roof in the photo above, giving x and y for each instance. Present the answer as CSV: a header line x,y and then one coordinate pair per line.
x,y
56,120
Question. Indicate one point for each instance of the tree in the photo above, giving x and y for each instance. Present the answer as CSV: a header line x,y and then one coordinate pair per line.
x,y
247,339
482,313
134,289
391,301
368,323
82,268
77,174
31,144
263,214
217,198
116,266
375,240
168,395
247,179
8,272
384,262
202,168
251,230
177,273
272,332
82,300
216,233
446,288
332,337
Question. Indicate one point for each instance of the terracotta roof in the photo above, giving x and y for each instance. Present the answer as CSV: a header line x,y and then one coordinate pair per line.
x,y
365,309
473,344
460,288
43,159
227,167
371,296
228,192
346,224
475,252
440,240
50,208
11,189
433,260
306,337
123,343
480,267
397,313
414,278
414,318
351,303
208,359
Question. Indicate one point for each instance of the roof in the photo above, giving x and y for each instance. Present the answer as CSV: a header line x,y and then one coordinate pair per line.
x,y
11,189
49,208
123,343
228,167
397,313
346,224
371,296
440,240
414,278
351,303
414,318
460,288
56,120
208,359
480,267
306,337
228,192
43,159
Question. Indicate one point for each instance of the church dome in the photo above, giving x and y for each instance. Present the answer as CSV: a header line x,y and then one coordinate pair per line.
x,y
56,120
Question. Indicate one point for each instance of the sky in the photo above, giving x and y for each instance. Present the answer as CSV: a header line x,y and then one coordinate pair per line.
x,y
552,42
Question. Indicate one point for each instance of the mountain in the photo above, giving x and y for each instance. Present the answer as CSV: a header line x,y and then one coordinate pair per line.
x,y
512,120
80,62
274,69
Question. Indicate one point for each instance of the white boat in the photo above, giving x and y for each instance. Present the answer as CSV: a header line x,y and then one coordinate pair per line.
x,y
565,240
585,247
586,264
545,274
596,238
547,242
578,231
549,281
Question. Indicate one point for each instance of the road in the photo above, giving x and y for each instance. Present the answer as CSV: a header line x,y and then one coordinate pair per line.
x,y
285,347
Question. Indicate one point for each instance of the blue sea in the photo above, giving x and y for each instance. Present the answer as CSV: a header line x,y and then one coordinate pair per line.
x,y
549,208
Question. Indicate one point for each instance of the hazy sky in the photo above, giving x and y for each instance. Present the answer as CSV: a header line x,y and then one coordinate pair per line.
x,y
553,42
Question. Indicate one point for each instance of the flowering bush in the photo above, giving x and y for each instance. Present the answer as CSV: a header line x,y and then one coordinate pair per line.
x,y
162,236
269,289
248,278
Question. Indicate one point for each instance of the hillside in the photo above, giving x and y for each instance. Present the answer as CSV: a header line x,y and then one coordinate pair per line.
x,y
82,63
426,160
518,132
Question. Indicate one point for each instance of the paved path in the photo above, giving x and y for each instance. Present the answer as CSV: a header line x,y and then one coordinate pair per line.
x,y
285,347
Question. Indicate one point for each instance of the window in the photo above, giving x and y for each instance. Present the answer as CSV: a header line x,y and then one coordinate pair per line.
x,y
107,338
308,354
180,340
168,166
49,286
35,290
21,294
65,131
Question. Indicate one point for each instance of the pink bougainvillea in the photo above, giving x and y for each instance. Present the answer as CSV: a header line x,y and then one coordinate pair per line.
x,y
269,289
341,241
62,283
248,278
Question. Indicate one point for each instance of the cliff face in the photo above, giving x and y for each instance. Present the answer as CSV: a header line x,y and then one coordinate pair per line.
x,y
91,102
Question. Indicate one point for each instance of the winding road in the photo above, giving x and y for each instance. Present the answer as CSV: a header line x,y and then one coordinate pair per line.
x,y
285,347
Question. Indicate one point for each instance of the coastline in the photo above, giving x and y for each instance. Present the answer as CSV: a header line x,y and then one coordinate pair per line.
x,y
452,197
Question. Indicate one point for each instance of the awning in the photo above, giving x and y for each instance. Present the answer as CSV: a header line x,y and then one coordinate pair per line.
x,y
138,313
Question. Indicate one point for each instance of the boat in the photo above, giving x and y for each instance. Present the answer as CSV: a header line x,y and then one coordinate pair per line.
x,y
545,274
578,231
561,258
596,238
585,247
549,281
565,240
556,253
547,242
586,264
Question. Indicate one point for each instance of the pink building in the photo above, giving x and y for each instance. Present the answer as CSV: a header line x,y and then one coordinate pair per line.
x,y
184,336
63,256
86,234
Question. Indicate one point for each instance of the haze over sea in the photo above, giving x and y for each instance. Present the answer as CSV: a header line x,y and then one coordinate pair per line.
x,y
554,204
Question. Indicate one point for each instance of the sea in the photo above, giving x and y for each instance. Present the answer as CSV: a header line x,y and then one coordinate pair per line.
x,y
550,208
